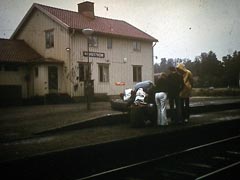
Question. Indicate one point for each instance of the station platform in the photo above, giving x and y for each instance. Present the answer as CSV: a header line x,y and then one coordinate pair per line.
x,y
35,130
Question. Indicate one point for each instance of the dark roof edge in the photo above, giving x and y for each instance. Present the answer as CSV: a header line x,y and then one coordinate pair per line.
x,y
150,39
29,61
129,37
154,39
34,61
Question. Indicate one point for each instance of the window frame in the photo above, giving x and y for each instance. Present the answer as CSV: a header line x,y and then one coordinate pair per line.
x,y
49,38
137,73
109,43
136,45
101,68
82,75
93,41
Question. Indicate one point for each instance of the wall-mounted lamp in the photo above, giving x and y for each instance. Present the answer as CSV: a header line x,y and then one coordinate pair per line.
x,y
67,49
125,60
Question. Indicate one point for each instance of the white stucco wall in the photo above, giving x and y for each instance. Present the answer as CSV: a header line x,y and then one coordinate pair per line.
x,y
15,78
119,71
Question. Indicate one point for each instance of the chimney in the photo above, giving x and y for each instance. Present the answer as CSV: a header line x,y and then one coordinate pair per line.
x,y
86,9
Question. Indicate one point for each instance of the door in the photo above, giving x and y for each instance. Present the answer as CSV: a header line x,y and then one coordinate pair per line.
x,y
53,79
10,94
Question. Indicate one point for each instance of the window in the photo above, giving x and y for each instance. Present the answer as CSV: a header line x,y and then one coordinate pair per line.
x,y
103,72
83,69
93,41
36,71
109,43
49,38
137,73
136,46
11,67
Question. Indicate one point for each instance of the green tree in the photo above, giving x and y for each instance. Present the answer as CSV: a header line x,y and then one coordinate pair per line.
x,y
156,67
210,70
163,65
232,69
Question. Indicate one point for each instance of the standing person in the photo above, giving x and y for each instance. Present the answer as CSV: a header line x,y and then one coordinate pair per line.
x,y
175,85
186,91
160,99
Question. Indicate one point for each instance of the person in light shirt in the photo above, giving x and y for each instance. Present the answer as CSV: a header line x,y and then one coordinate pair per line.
x,y
160,99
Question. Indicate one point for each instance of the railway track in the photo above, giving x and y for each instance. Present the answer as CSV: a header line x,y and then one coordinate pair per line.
x,y
201,151
208,161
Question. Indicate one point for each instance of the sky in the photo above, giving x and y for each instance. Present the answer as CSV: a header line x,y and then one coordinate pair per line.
x,y
184,28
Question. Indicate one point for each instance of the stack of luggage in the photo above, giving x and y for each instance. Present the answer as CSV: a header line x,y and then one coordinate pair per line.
x,y
140,104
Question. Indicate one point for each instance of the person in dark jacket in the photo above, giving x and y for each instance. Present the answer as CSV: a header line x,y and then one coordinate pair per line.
x,y
175,85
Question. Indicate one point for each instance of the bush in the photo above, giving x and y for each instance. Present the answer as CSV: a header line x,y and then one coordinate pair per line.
x,y
215,92
53,98
35,100
58,98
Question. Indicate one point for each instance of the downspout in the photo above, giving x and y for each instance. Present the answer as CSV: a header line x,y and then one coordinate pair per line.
x,y
72,32
154,44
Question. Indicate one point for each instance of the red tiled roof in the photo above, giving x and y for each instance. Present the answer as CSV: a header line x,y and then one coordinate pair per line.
x,y
100,25
17,51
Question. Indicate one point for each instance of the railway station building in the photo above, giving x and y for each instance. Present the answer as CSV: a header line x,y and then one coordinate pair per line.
x,y
118,54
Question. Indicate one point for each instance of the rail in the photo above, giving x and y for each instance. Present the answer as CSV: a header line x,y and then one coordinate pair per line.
x,y
209,160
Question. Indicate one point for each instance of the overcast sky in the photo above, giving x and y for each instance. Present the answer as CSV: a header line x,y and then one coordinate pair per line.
x,y
184,28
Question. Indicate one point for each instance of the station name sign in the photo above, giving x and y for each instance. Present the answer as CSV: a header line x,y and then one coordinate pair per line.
x,y
94,54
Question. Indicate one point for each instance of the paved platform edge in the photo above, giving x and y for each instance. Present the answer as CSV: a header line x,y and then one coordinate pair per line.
x,y
122,117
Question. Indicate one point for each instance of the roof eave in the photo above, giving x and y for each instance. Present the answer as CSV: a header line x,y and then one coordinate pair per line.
x,y
32,61
22,22
150,39
35,5
20,62
128,37
52,16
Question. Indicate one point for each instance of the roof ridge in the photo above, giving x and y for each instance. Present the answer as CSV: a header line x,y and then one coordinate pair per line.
x,y
54,7
77,12
109,18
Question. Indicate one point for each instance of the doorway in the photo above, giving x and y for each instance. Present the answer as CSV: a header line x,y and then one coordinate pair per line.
x,y
53,79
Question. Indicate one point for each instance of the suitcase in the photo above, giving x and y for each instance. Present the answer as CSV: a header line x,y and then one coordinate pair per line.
x,y
119,104
146,85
